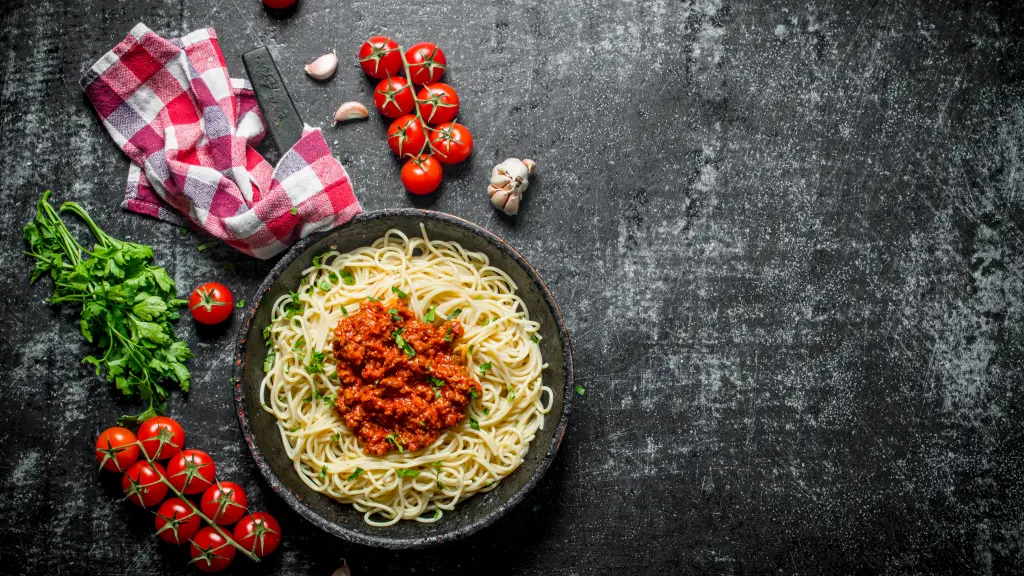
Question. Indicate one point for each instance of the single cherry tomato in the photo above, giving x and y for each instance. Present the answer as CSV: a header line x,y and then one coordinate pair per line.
x,y
211,303
210,551
116,449
191,471
258,533
142,484
438,103
452,142
421,175
380,57
406,136
278,4
224,503
161,437
176,522
426,62
393,97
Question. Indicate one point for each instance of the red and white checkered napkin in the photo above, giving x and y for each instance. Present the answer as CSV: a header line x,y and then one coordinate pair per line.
x,y
189,130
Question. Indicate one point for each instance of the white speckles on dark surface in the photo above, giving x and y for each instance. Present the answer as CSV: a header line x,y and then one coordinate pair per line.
x,y
786,239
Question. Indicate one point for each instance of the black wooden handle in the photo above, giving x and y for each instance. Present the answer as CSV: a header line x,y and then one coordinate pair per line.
x,y
279,111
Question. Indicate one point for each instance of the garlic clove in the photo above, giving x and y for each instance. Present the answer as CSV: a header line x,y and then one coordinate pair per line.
x,y
350,111
512,205
500,180
530,165
323,67
343,570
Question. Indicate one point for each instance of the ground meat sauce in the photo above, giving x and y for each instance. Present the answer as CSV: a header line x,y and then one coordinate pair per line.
x,y
388,397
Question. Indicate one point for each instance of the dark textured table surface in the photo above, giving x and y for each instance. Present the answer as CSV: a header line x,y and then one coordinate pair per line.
x,y
786,237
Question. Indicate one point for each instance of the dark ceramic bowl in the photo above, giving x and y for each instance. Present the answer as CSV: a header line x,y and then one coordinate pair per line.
x,y
260,428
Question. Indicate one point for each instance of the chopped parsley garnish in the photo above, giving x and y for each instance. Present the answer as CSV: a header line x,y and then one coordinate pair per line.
x,y
486,321
455,313
343,311
397,335
473,393
511,392
268,362
437,513
429,316
487,411
394,315
295,428
448,334
398,291
323,472
484,368
356,474
299,344
397,441
436,465
471,349
294,307
206,246
316,260
407,473
372,299
437,394
294,211
436,382
316,363
580,390
329,398
534,339
473,423
336,438
266,335
325,285
478,297
240,304
347,277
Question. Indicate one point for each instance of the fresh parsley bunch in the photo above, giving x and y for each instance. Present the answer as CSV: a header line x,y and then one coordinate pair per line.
x,y
127,304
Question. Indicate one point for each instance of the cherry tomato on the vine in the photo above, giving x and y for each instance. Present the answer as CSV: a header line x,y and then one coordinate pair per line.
x,y
380,57
116,449
426,62
438,103
224,502
452,142
393,97
191,471
258,533
210,551
211,303
278,4
176,522
421,175
406,136
142,484
161,437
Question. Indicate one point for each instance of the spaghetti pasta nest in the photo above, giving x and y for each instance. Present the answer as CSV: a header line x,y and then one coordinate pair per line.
x,y
500,348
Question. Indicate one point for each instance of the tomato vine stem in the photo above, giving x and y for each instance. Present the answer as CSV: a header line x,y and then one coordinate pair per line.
x,y
415,102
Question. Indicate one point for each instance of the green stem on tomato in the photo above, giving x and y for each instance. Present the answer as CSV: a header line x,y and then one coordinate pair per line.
x,y
196,510
415,107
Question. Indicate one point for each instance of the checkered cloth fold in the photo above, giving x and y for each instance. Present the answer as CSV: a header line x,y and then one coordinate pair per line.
x,y
189,130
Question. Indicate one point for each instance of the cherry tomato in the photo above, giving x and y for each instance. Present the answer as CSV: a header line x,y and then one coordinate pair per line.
x,y
191,471
258,533
278,4
161,437
176,522
438,103
406,136
210,551
211,303
142,484
224,502
452,142
421,175
393,97
426,62
116,449
380,57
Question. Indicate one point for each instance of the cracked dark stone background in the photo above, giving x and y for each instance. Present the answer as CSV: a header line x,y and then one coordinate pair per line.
x,y
786,237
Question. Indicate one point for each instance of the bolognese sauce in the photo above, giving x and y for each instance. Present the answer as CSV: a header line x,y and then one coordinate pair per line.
x,y
400,384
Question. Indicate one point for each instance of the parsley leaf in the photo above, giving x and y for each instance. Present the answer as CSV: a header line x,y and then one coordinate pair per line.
x,y
511,392
316,363
206,246
325,285
398,291
454,313
534,339
299,344
429,316
294,211
484,368
487,411
372,299
448,334
473,393
356,474
580,390
436,382
336,438
323,472
487,321
347,277
240,304
268,362
407,473
397,441
473,423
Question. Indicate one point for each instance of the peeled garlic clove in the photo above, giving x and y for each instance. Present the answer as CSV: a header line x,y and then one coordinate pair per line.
x,y
350,111
323,67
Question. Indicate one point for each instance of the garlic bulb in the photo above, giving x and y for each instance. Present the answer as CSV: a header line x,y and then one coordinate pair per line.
x,y
323,67
508,182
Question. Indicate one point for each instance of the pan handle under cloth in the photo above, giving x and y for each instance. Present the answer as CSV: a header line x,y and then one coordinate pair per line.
x,y
279,111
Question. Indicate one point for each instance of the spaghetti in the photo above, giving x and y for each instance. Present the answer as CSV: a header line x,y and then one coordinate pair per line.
x,y
499,347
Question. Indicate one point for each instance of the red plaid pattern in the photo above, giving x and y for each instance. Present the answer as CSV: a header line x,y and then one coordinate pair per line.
x,y
189,130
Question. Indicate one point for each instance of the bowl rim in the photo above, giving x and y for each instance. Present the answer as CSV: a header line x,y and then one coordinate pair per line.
x,y
282,490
